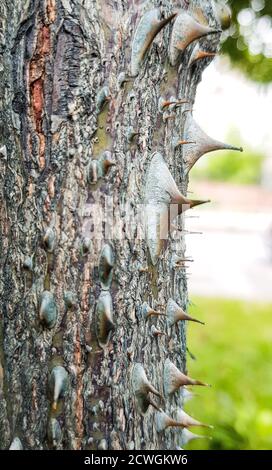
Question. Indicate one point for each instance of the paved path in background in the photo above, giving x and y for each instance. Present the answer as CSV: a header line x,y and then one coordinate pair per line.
x,y
232,258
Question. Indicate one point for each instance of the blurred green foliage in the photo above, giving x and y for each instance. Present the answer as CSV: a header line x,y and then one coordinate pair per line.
x,y
233,353
248,41
231,166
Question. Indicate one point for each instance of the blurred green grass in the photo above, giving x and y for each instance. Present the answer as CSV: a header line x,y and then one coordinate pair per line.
x,y
234,354
239,168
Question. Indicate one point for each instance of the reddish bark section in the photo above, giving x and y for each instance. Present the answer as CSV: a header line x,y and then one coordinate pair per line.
x,y
51,10
36,83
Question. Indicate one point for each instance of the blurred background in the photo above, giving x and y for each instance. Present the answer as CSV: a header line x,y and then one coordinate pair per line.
x,y
230,280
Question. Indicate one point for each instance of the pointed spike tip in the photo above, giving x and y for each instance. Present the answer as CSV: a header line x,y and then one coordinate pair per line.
x,y
205,144
142,388
186,30
199,54
173,378
204,54
195,320
161,193
202,384
198,202
175,313
185,142
148,27
215,31
231,147
189,421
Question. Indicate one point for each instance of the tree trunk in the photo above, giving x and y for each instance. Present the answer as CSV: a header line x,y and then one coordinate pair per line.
x,y
64,102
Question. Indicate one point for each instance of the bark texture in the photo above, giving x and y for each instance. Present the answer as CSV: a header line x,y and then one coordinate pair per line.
x,y
56,55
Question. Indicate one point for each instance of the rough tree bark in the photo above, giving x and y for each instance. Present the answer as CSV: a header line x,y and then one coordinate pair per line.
x,y
57,55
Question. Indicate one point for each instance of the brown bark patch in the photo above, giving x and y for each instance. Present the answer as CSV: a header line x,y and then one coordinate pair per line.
x,y
36,81
51,11
37,102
